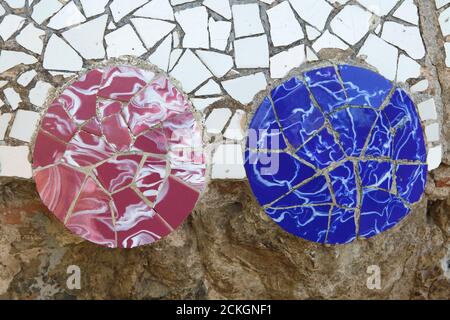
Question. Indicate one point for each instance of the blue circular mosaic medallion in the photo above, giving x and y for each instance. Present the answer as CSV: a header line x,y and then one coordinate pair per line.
x,y
337,155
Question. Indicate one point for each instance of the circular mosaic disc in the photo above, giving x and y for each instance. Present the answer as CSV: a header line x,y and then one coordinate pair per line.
x,y
118,157
337,155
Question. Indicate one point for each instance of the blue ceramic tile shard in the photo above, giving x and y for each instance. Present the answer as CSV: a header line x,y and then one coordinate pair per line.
x,y
326,88
358,148
411,181
364,87
264,131
272,175
343,181
310,223
353,126
381,140
322,150
376,174
380,211
409,141
299,117
342,227
314,192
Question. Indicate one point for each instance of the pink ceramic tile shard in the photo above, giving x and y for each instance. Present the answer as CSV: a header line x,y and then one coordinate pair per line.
x,y
175,202
107,108
116,132
119,157
136,223
118,173
152,141
156,103
58,187
86,149
47,150
123,82
92,126
182,132
150,178
80,98
91,217
58,123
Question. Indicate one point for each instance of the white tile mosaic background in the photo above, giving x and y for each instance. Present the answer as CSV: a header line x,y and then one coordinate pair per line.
x,y
216,49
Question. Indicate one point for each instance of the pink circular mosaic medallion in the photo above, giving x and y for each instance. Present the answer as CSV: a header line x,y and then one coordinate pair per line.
x,y
118,157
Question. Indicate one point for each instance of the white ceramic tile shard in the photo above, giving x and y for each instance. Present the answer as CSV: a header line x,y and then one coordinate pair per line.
x,y
59,55
315,12
178,2
217,119
5,119
407,38
447,54
194,22
285,61
156,9
244,89
407,69
246,20
284,27
44,9
351,24
221,7
228,162
444,21
312,33
39,94
31,38
434,157
252,52
211,88
190,71
381,55
427,110
328,40
200,104
120,8
441,3
235,130
68,16
379,7
174,57
408,12
420,86
90,47
26,77
219,33
12,97
161,56
10,25
123,41
15,4
93,7
1,103
14,162
112,26
24,125
2,10
432,132
218,63
176,39
152,31
310,55
9,59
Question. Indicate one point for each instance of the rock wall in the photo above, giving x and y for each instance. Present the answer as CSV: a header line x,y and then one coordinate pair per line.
x,y
228,248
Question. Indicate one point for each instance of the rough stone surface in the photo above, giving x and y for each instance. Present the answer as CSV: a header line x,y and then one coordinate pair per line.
x,y
229,248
